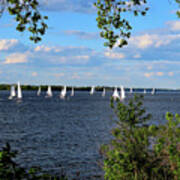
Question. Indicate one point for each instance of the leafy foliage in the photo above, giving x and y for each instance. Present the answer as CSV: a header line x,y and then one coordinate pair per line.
x,y
167,146
115,28
112,19
28,17
133,114
140,151
10,170
178,12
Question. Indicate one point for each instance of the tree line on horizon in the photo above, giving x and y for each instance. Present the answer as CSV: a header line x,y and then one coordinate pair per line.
x,y
7,87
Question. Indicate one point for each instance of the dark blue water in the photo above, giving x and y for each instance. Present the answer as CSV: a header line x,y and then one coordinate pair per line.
x,y
67,134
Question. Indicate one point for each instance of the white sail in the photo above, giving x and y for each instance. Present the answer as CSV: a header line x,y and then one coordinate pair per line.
x,y
19,92
115,94
12,92
63,92
104,92
153,91
122,93
72,92
131,90
39,91
49,92
92,90
144,91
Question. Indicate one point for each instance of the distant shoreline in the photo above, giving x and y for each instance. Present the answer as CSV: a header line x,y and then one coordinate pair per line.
x,y
79,88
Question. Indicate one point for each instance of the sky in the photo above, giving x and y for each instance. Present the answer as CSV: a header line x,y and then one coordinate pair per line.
x,y
72,52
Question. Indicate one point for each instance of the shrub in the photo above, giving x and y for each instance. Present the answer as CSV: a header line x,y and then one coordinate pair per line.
x,y
140,151
10,170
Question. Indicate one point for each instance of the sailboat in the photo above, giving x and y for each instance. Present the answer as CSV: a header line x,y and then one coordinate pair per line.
x,y
72,91
122,93
144,91
92,90
49,92
131,90
63,93
19,92
153,91
104,92
12,92
39,91
115,94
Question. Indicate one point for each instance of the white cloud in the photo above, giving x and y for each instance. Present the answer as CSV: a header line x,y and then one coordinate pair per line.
x,y
75,76
149,67
34,74
114,55
142,41
170,73
89,74
137,55
165,62
148,75
81,59
165,39
6,44
16,58
62,59
44,48
159,73
58,75
152,40
174,25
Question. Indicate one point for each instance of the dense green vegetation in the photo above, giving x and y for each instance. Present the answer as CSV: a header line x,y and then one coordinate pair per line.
x,y
54,87
140,151
10,170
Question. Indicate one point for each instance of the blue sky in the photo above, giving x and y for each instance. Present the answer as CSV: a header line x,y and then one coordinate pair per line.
x,y
72,53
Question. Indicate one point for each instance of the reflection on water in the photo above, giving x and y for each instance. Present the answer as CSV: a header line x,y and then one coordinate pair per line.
x,y
67,133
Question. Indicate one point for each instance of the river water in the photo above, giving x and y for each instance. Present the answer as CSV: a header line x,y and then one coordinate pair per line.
x,y
66,135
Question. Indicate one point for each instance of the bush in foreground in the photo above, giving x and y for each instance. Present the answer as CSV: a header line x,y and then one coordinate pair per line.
x,y
10,170
140,151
